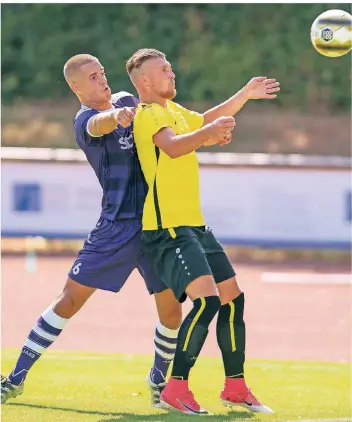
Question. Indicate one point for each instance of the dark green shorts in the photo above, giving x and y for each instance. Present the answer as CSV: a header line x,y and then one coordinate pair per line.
x,y
183,254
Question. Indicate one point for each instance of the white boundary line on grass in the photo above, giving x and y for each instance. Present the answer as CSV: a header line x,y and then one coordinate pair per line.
x,y
321,420
331,366
305,278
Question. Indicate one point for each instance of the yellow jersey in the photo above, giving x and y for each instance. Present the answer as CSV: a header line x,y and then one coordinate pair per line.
x,y
173,198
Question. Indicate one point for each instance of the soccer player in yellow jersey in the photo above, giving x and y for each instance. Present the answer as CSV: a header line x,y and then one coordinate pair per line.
x,y
184,251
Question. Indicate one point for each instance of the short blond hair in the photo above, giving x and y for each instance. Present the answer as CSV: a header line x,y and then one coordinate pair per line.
x,y
142,55
75,63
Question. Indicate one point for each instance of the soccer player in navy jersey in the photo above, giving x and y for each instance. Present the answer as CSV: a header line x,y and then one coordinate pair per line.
x,y
103,130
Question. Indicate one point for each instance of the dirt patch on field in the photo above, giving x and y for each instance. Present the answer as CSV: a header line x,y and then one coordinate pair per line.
x,y
284,320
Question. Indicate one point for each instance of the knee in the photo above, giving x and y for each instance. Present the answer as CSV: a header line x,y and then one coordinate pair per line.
x,y
213,304
71,299
66,304
229,290
207,308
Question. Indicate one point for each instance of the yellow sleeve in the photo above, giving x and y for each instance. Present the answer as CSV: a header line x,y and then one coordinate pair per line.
x,y
194,120
148,121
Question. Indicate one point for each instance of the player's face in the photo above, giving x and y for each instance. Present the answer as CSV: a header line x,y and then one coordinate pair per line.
x,y
161,78
92,82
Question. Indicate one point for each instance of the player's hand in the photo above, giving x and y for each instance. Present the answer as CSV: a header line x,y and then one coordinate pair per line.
x,y
227,139
124,116
220,131
261,87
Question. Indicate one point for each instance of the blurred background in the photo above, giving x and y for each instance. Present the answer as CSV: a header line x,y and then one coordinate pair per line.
x,y
214,49
278,197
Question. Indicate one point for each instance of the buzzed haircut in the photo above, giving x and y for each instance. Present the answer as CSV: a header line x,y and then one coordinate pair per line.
x,y
142,55
75,63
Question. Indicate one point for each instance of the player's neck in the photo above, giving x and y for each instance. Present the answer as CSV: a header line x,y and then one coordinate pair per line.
x,y
150,98
97,105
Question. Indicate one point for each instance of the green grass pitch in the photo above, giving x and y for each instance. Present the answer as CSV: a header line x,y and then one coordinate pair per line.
x,y
107,388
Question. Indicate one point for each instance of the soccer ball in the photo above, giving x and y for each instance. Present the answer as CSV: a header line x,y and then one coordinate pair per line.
x,y
331,33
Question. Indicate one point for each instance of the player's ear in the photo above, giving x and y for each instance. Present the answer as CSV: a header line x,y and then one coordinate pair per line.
x,y
75,88
145,80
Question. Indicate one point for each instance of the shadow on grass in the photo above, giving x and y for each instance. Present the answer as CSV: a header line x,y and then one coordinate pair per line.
x,y
124,416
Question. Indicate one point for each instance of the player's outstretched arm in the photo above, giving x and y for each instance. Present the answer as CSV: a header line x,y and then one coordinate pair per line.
x,y
107,121
257,88
177,145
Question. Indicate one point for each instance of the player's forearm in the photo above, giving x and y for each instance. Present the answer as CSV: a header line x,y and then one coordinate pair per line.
x,y
184,144
227,108
102,123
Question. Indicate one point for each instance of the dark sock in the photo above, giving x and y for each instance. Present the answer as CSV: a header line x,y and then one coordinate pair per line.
x,y
231,336
192,335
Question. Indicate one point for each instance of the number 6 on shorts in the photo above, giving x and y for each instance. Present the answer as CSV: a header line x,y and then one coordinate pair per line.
x,y
76,268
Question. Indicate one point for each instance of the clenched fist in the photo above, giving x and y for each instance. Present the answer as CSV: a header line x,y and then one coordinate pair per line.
x,y
124,116
220,131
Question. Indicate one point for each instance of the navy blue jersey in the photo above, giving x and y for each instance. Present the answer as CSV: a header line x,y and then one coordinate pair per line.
x,y
114,160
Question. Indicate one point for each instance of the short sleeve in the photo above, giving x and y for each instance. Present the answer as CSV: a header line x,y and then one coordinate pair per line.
x,y
125,99
81,130
148,121
194,120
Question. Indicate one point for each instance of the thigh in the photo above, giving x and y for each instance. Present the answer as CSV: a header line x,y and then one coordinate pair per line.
x,y
177,257
220,264
109,255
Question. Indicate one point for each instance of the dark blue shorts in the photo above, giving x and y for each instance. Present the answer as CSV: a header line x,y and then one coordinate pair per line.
x,y
112,250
